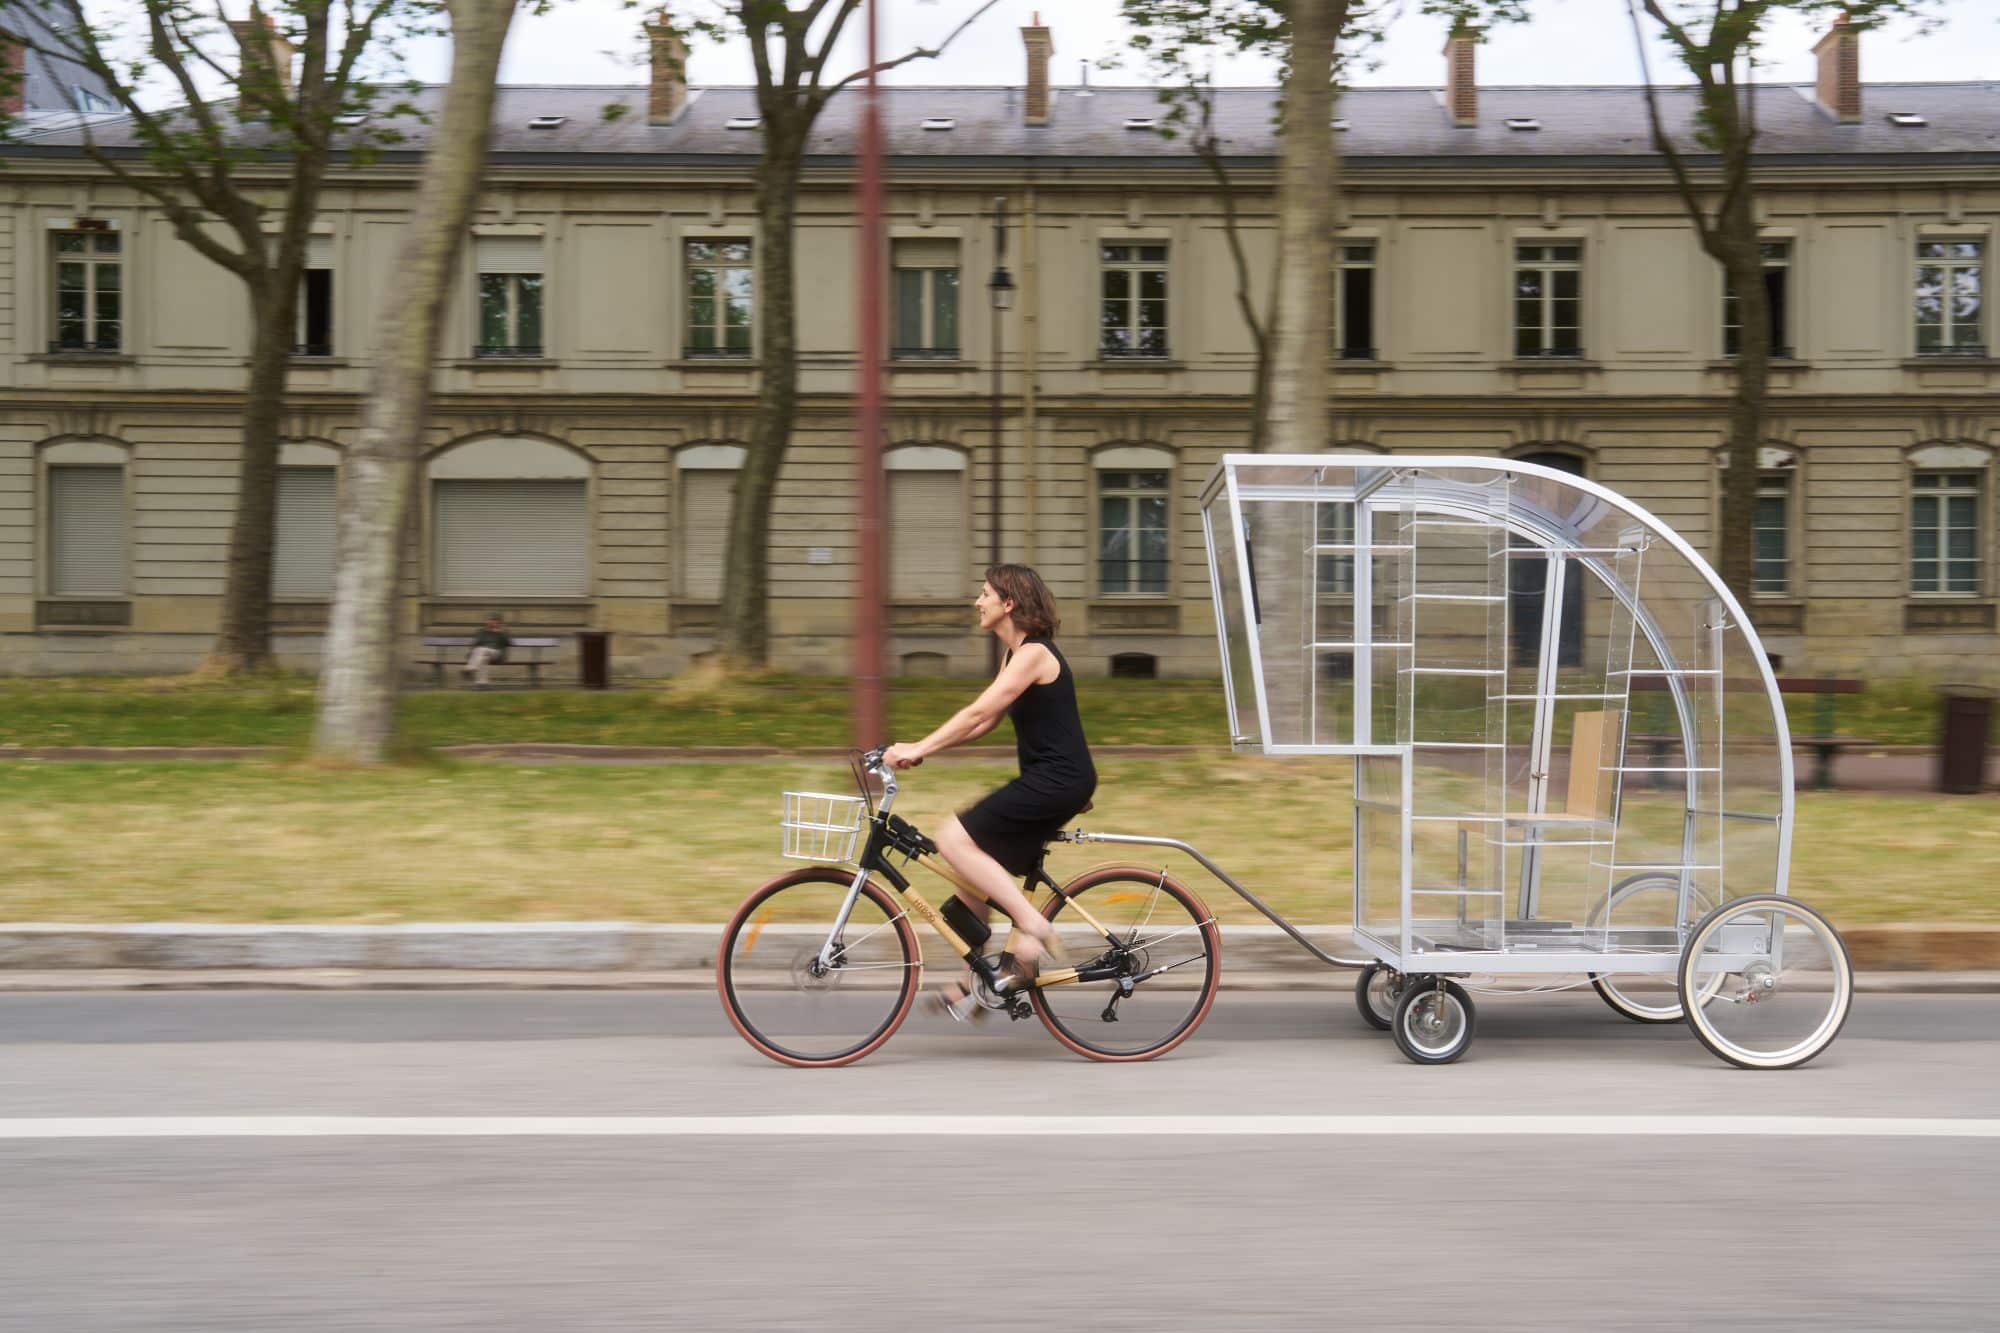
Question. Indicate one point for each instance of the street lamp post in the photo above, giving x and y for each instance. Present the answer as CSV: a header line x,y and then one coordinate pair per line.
x,y
1000,291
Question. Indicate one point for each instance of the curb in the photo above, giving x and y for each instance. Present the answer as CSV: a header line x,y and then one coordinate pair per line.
x,y
606,948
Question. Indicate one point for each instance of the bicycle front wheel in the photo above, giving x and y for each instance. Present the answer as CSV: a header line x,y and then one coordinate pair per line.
x,y
1149,959
789,1003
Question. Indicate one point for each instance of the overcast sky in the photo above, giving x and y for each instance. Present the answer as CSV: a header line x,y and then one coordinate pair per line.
x,y
1569,42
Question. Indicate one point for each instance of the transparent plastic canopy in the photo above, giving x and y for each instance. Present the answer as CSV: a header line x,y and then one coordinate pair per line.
x,y
1564,731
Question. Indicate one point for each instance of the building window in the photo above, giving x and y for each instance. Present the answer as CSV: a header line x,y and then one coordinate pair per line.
x,y
1354,303
303,546
87,531
89,292
1132,531
721,287
1770,533
924,280
1950,315
1132,319
705,479
314,336
510,295
1944,533
1777,281
1548,304
925,524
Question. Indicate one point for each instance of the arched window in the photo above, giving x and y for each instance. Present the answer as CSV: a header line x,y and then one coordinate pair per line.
x,y
303,543
1134,503
705,480
511,518
1947,532
925,523
87,541
1772,543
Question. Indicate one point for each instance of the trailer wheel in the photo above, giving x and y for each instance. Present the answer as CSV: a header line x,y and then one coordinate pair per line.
x,y
1434,1021
1376,992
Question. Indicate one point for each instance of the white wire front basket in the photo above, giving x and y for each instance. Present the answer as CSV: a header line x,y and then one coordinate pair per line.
x,y
821,827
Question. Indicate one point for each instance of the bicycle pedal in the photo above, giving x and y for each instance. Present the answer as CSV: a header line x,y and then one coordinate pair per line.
x,y
1018,1008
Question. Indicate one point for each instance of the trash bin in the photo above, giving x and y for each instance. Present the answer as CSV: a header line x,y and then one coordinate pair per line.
x,y
1966,718
593,658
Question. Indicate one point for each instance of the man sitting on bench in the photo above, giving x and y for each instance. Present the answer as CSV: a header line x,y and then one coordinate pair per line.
x,y
488,646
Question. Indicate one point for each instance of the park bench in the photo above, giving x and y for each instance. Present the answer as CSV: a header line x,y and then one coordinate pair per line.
x,y
449,650
1826,746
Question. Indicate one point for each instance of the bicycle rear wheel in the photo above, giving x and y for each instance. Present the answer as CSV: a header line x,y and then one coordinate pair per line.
x,y
791,1008
1165,947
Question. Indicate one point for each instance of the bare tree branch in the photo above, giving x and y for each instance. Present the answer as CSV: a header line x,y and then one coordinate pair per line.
x,y
1661,140
920,53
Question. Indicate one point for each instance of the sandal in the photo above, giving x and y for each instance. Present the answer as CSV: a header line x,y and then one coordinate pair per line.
x,y
956,1002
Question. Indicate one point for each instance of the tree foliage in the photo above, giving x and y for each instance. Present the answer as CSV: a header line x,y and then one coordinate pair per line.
x,y
1178,44
234,158
791,47
1710,161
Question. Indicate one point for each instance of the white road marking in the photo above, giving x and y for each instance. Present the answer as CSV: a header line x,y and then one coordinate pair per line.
x,y
990,1126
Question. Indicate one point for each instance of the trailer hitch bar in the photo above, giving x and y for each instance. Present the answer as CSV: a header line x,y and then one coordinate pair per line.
x,y
1141,840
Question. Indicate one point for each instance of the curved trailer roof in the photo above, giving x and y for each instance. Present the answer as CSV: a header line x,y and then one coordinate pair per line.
x,y
1556,511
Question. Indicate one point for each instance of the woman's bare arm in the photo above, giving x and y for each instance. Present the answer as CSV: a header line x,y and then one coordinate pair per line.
x,y
982,714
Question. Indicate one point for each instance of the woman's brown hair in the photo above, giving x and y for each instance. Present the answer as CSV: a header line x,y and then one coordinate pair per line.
x,y
1034,605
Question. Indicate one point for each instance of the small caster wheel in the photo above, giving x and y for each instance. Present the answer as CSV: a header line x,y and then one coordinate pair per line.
x,y
1376,992
1433,1023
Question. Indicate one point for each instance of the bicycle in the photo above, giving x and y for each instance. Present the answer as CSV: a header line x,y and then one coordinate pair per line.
x,y
820,966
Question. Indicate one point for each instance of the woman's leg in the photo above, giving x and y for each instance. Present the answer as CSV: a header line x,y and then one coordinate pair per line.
x,y
991,878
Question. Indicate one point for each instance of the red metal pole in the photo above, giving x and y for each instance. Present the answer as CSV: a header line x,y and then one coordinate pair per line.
x,y
870,722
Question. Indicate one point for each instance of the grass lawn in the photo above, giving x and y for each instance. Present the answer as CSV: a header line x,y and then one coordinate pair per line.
x,y
785,711
679,842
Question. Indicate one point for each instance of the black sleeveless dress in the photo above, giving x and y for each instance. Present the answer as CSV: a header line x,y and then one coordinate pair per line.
x,y
1057,778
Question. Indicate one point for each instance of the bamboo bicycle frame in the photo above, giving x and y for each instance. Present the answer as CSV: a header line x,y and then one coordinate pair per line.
x,y
872,861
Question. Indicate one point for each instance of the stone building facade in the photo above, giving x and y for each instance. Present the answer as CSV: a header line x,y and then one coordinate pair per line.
x,y
1516,277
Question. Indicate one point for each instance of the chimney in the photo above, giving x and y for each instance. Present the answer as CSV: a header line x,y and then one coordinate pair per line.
x,y
1035,106
14,79
264,49
1839,88
669,94
1461,77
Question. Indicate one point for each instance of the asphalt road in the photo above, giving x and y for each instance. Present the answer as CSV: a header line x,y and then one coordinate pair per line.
x,y
569,1220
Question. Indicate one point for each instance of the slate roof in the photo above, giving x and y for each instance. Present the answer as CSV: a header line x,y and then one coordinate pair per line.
x,y
49,86
1385,124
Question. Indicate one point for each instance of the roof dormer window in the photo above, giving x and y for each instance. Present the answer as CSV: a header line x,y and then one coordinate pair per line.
x,y
546,122
350,119
741,123
940,123
1340,123
1908,120
1524,124
1141,123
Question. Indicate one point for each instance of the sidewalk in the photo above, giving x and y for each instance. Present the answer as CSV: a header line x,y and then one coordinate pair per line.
x,y
625,954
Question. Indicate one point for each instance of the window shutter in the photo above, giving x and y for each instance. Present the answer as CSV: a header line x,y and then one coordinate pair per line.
x,y
319,251
926,535
706,496
508,254
512,539
302,564
87,524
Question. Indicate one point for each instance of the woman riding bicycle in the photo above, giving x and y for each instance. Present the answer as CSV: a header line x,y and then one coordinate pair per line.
x,y
996,840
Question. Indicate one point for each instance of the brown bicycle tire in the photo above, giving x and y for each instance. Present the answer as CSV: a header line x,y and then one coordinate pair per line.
x,y
824,875
1211,935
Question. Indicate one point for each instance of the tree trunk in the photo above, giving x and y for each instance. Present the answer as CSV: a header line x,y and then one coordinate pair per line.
x,y
357,693
1246,297
1296,412
243,643
1734,242
744,642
